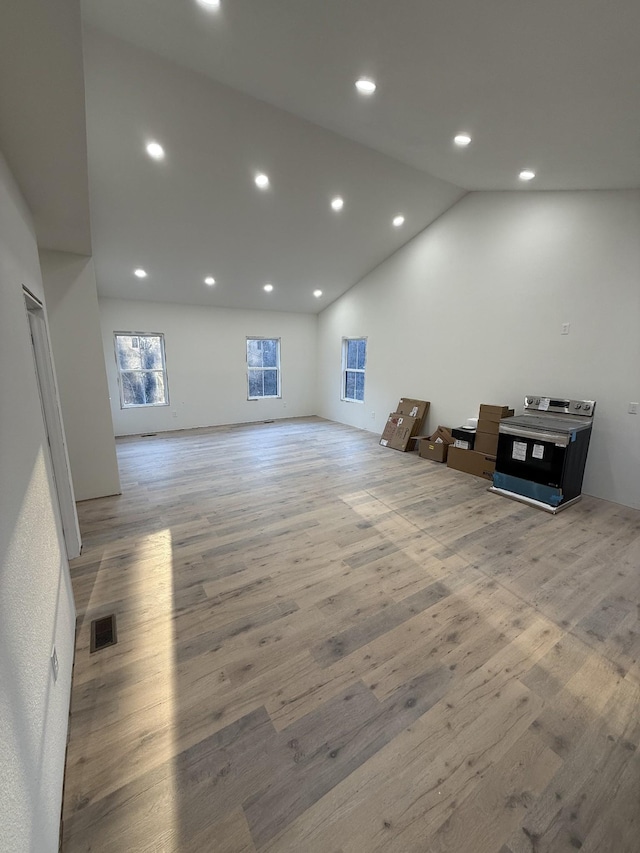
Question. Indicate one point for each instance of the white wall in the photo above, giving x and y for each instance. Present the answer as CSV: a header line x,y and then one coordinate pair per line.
x,y
470,311
74,325
36,604
206,364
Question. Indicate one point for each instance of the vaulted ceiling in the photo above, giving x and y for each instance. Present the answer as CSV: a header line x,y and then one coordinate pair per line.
x,y
550,85
198,213
268,86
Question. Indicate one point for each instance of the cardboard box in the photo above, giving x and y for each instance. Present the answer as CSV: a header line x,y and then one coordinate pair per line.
x,y
488,427
486,443
398,431
463,438
472,462
436,445
442,433
434,450
494,413
390,428
413,408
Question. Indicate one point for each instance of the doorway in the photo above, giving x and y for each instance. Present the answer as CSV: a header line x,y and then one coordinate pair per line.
x,y
58,459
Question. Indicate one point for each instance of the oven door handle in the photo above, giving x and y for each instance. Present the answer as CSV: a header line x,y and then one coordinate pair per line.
x,y
558,438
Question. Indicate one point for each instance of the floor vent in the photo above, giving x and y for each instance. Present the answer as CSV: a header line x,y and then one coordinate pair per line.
x,y
103,632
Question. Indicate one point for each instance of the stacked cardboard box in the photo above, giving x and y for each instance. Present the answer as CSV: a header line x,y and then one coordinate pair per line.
x,y
436,446
488,426
397,431
413,408
405,423
481,461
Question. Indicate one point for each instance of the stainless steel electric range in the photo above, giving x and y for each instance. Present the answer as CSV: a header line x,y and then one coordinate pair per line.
x,y
542,454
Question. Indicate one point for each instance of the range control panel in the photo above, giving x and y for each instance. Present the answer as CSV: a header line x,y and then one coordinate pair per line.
x,y
584,408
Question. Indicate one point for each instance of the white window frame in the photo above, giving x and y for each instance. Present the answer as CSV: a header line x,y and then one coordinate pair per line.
x,y
160,335
345,370
278,341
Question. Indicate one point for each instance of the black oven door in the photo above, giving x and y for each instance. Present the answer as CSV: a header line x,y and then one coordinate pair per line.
x,y
537,456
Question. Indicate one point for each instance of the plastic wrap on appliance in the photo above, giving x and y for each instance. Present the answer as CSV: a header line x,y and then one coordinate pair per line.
x,y
545,494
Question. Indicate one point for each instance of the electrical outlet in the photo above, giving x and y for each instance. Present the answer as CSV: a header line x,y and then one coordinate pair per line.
x,y
373,416
55,666
565,328
174,414
633,408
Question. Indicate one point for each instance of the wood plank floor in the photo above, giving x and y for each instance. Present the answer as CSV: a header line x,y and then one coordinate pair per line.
x,y
326,646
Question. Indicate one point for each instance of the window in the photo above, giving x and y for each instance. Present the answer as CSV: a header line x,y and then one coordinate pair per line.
x,y
354,359
263,367
142,371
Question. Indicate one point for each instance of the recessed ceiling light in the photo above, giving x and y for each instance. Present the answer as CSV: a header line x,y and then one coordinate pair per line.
x,y
268,288
527,175
317,294
262,181
210,280
337,203
155,150
365,86
398,220
211,5
140,273
462,139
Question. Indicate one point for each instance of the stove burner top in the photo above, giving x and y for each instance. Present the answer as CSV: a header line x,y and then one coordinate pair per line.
x,y
550,423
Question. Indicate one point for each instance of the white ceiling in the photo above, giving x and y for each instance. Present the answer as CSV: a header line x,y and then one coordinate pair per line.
x,y
550,85
199,213
553,86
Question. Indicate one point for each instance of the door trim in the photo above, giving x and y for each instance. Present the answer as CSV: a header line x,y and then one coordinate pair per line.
x,y
52,419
